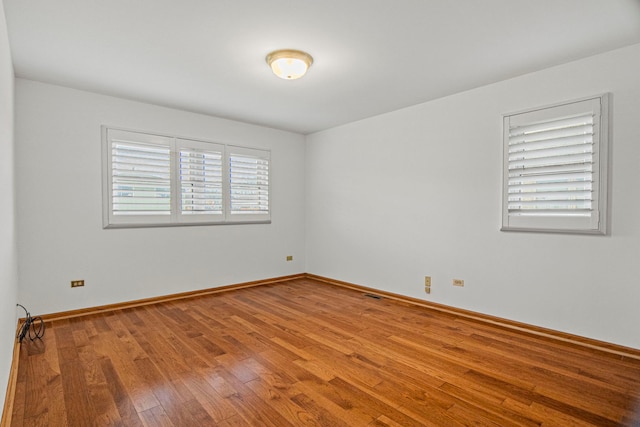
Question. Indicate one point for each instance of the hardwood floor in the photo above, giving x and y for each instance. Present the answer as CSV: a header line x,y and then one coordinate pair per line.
x,y
303,353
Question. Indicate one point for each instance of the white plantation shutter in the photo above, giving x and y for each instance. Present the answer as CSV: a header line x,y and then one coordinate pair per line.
x,y
155,180
248,183
201,194
551,168
139,188
555,168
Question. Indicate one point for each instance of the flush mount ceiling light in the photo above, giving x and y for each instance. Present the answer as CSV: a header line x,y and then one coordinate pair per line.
x,y
289,64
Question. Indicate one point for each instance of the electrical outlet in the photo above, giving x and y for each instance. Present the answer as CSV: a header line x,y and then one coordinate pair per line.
x,y
77,283
458,282
427,284
289,257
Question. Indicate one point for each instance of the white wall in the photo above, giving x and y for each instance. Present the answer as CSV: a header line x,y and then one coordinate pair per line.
x,y
8,251
417,192
59,207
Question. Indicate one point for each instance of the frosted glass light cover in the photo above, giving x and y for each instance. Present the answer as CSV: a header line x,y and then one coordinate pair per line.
x,y
289,68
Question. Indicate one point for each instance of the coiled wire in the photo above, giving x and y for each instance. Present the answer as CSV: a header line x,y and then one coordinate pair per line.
x,y
33,327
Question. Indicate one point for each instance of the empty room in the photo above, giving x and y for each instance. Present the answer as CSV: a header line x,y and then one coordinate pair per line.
x,y
320,213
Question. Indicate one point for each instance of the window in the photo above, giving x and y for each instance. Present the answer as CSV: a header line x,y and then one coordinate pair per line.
x,y
200,177
248,183
151,180
555,168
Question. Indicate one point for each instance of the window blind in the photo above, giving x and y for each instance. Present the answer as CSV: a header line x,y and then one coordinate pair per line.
x,y
249,181
201,181
140,178
156,180
555,167
551,167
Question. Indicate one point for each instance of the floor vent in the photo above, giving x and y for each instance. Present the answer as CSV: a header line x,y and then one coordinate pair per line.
x,y
373,296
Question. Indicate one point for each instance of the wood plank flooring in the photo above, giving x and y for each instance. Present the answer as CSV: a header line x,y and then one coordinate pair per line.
x,y
304,353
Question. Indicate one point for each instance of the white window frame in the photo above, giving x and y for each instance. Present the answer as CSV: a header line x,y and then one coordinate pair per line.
x,y
176,216
590,218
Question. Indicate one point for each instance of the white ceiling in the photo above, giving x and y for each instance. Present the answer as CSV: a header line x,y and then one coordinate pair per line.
x,y
371,56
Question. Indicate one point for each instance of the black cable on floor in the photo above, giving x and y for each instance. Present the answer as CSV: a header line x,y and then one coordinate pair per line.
x,y
32,326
